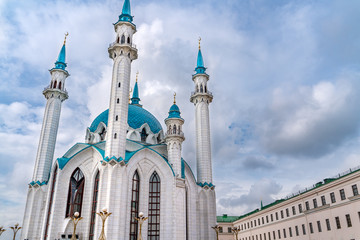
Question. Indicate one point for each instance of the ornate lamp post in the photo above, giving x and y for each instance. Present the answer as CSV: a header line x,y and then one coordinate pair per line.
x,y
141,219
2,229
15,229
236,230
104,214
76,218
217,229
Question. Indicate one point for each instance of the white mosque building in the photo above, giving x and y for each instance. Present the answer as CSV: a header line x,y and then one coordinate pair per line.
x,y
127,164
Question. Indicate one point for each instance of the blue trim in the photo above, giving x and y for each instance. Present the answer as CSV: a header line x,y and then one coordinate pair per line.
x,y
210,185
182,168
38,183
60,63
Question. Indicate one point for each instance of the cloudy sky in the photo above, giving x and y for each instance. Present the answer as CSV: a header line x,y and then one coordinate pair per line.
x,y
285,76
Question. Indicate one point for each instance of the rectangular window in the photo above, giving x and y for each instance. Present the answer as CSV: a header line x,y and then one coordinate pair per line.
x,y
255,223
279,234
272,217
264,236
248,225
251,223
274,236
284,230
229,229
337,220
304,230
355,190
323,200
307,206
220,229
311,228
277,216
359,215
290,231
256,237
297,230
269,234
300,208
287,213
315,203
282,213
342,194
332,196
267,219
262,220
319,226
259,221
328,227
260,237
348,220
293,210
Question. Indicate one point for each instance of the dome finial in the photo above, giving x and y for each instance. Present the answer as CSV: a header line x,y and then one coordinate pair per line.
x,y
137,75
66,34
199,42
174,97
130,94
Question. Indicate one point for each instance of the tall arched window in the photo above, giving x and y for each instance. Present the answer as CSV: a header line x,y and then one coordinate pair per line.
x,y
201,88
174,129
75,195
134,207
154,207
54,85
128,40
60,85
50,203
94,204
143,135
122,39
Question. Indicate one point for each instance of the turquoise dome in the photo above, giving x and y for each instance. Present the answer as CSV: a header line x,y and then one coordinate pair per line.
x,y
137,116
174,111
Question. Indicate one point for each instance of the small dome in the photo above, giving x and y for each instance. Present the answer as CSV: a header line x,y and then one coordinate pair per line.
x,y
174,111
137,116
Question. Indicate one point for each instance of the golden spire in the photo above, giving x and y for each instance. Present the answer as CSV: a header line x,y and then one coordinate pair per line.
x,y
66,34
137,75
199,42
130,95
174,97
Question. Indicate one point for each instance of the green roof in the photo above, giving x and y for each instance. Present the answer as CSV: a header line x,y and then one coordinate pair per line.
x,y
226,218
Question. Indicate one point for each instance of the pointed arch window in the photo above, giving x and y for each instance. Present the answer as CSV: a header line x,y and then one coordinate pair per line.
x,y
75,194
122,39
128,40
154,207
94,204
54,85
143,135
134,208
50,202
174,129
60,85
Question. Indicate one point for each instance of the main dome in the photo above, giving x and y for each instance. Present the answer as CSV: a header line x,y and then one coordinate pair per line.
x,y
137,116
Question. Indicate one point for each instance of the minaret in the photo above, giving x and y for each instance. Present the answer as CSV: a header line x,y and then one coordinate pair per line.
x,y
201,98
174,137
55,94
123,52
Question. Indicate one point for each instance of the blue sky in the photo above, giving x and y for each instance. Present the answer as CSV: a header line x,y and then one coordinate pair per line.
x,y
285,77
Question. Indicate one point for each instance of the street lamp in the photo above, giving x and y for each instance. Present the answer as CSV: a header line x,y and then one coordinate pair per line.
x,y
217,229
104,214
141,219
236,230
76,218
15,229
2,229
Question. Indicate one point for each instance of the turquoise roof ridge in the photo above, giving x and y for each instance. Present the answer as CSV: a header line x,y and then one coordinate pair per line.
x,y
200,63
135,97
60,63
137,116
126,12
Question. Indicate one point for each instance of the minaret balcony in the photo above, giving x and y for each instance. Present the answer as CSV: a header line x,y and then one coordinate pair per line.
x,y
175,135
122,44
115,49
208,95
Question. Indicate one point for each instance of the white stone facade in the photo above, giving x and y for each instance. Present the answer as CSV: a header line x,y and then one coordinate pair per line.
x,y
329,211
100,173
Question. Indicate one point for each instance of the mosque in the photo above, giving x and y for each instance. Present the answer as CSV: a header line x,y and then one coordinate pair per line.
x,y
127,164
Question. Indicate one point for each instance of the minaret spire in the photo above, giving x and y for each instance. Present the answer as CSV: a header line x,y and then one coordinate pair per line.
x,y
135,97
122,52
200,62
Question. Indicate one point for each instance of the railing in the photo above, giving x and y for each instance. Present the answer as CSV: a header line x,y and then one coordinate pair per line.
x,y
174,134
127,44
208,92
48,87
326,180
